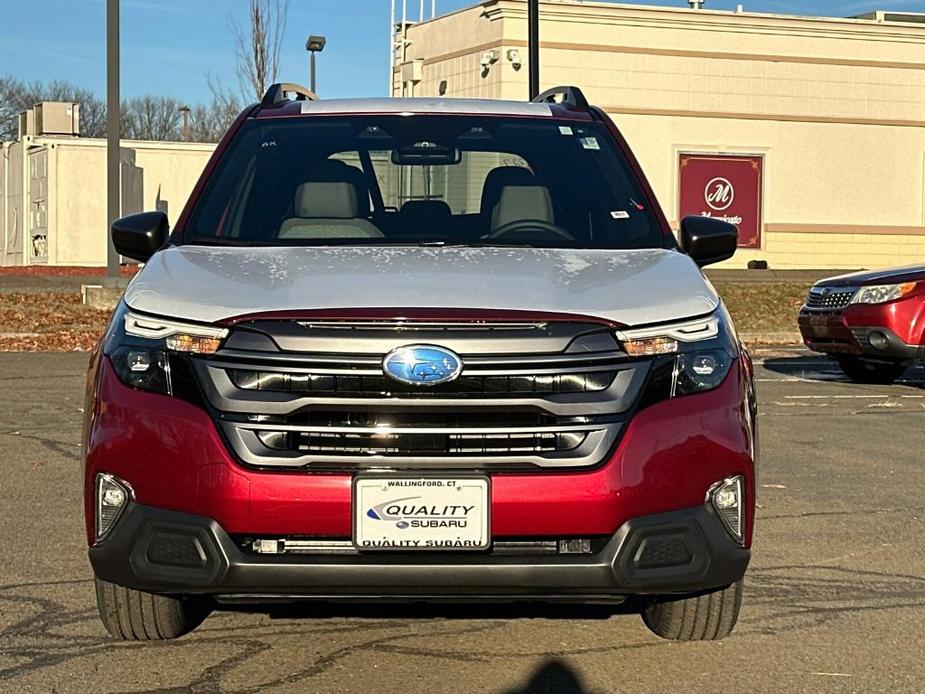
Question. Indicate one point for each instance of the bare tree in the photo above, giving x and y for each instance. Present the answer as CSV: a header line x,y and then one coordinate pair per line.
x,y
151,118
143,118
256,50
16,96
10,91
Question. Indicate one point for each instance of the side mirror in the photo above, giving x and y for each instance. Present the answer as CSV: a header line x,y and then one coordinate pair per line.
x,y
139,236
708,240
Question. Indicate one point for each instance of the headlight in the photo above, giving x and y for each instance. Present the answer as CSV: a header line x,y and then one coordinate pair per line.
x,y
877,294
691,357
146,351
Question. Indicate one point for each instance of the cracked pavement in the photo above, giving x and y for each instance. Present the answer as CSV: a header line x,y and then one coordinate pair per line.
x,y
834,600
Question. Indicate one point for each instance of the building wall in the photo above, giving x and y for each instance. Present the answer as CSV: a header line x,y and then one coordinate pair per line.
x,y
156,175
836,108
462,34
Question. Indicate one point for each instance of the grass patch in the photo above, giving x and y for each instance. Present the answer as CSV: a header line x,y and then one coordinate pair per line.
x,y
59,322
48,322
763,307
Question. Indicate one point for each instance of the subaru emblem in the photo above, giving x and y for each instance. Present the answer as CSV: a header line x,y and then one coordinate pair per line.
x,y
422,365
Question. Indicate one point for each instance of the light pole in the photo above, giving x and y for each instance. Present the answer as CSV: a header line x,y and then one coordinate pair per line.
x,y
533,45
113,160
314,44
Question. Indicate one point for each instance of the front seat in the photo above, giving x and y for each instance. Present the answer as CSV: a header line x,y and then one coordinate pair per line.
x,y
328,207
517,203
496,180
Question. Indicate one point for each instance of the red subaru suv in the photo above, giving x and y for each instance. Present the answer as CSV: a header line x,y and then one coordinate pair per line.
x,y
421,349
872,323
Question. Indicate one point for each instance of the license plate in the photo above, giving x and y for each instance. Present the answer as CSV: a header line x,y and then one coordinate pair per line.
x,y
818,320
421,513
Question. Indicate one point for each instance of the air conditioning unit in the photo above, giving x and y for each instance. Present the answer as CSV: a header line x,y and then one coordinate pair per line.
x,y
57,118
26,123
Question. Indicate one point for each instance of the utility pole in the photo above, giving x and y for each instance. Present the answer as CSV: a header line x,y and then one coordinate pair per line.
x,y
113,158
185,111
533,45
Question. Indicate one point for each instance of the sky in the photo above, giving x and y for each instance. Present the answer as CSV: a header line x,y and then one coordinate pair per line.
x,y
170,46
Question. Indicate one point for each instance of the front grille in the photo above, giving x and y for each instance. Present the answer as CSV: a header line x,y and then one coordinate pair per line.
x,y
529,395
431,444
829,298
350,385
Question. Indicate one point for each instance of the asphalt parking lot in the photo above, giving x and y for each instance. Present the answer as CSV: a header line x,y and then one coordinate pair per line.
x,y
835,596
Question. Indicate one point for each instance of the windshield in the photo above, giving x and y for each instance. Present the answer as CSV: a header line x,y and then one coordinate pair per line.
x,y
384,180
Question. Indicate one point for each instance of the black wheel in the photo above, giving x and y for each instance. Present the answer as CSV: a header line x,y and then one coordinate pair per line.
x,y
862,370
133,615
705,617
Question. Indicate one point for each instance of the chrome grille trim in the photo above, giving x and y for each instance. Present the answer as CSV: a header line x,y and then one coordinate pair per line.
x,y
359,364
829,298
309,429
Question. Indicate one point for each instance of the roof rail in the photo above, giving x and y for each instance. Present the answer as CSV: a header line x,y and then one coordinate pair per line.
x,y
570,95
277,93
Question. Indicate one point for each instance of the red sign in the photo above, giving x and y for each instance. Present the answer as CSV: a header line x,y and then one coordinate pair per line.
x,y
724,187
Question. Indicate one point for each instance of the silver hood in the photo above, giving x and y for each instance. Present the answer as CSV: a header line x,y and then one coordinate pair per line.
x,y
631,287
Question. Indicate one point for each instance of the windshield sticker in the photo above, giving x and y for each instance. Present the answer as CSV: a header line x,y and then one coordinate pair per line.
x,y
565,130
589,143
620,214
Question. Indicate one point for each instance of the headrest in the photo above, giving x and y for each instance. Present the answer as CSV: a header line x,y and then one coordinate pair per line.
x,y
337,171
326,200
425,212
499,177
522,202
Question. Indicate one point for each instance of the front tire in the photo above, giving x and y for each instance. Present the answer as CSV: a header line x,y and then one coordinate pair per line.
x,y
134,615
705,617
861,370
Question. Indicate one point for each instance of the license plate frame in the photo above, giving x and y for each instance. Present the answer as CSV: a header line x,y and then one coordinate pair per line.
x,y
404,487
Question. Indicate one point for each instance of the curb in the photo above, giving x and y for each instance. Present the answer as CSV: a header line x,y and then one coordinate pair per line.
x,y
776,338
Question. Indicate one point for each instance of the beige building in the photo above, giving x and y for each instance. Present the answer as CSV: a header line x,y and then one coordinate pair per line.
x,y
829,113
53,193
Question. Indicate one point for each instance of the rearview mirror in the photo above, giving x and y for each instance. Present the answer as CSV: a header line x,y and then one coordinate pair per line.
x,y
426,153
139,236
708,240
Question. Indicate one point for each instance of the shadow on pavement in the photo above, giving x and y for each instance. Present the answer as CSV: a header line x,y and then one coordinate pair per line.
x,y
555,676
814,368
823,369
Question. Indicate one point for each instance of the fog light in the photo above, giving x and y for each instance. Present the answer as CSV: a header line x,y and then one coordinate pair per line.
x,y
727,500
878,340
112,496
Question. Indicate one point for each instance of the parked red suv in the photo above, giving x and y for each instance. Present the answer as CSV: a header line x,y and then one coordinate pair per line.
x,y
425,350
872,323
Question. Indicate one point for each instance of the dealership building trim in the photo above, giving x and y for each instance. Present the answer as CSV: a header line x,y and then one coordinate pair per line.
x,y
830,111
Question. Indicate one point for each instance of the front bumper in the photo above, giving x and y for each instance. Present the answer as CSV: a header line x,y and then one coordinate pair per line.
x,y
172,456
849,332
165,551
